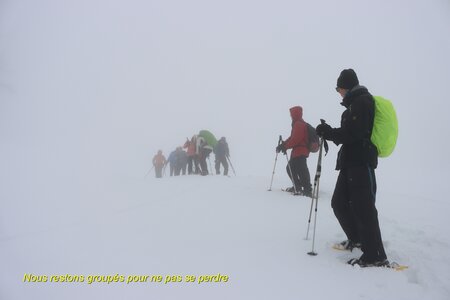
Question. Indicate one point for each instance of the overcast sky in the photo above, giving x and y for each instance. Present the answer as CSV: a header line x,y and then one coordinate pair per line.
x,y
97,87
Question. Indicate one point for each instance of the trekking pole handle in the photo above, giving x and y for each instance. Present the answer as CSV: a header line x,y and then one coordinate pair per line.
x,y
325,144
280,140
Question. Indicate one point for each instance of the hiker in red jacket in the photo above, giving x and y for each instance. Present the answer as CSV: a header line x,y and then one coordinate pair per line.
x,y
297,167
192,156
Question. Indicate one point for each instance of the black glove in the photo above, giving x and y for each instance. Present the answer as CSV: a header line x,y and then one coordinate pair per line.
x,y
281,148
324,130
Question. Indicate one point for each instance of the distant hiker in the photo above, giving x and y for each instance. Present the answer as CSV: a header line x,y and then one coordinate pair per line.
x,y
298,142
172,161
203,151
222,152
353,200
158,162
180,161
191,155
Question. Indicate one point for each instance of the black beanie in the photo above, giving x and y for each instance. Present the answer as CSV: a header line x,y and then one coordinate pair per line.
x,y
347,80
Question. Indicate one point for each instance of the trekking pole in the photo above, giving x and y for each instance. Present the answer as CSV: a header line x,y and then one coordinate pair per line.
x,y
315,196
292,177
280,140
229,160
149,171
317,177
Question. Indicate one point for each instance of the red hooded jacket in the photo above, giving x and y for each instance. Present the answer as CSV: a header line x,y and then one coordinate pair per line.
x,y
298,140
190,145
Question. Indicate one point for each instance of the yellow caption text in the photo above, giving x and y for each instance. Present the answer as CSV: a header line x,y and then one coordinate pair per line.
x,y
125,279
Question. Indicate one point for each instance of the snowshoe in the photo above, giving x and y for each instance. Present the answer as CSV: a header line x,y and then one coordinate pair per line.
x,y
347,245
364,264
290,189
307,194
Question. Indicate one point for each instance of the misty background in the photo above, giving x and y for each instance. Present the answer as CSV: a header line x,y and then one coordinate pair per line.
x,y
90,90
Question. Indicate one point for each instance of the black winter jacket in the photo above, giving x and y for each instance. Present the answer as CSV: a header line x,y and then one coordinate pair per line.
x,y
355,131
221,150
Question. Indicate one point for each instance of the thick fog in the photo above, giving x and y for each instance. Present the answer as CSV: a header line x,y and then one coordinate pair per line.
x,y
92,89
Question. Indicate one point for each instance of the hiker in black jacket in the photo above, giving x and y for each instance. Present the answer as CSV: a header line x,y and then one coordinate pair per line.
x,y
222,152
353,199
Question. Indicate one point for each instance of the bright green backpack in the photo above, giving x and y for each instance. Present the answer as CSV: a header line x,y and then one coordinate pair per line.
x,y
385,127
209,137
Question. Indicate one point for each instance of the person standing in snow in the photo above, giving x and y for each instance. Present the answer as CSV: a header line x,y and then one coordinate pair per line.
x,y
203,151
181,161
298,142
353,200
222,152
190,145
172,161
158,163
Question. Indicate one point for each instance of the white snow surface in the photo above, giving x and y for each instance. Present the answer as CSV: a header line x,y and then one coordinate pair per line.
x,y
215,224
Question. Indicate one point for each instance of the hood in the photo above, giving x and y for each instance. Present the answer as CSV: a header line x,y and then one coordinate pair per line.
x,y
296,113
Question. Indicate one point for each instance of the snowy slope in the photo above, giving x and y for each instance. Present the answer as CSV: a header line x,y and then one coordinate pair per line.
x,y
208,225
91,89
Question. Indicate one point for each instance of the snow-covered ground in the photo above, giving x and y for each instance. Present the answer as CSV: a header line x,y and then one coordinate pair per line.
x,y
193,225
91,89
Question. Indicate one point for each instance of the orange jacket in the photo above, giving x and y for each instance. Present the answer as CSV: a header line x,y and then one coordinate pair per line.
x,y
298,141
159,160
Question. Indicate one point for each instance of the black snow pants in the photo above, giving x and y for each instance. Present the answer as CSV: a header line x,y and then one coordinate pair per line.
x,y
221,160
353,204
203,156
300,172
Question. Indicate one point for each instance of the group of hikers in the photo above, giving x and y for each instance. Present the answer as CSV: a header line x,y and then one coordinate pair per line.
x,y
193,160
353,200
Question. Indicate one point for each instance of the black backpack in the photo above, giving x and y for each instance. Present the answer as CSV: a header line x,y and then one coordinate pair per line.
x,y
313,138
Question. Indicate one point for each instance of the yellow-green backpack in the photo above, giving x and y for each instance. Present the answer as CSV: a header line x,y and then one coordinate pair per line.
x,y
385,127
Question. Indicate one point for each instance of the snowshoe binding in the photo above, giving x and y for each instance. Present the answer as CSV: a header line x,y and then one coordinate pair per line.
x,y
347,245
